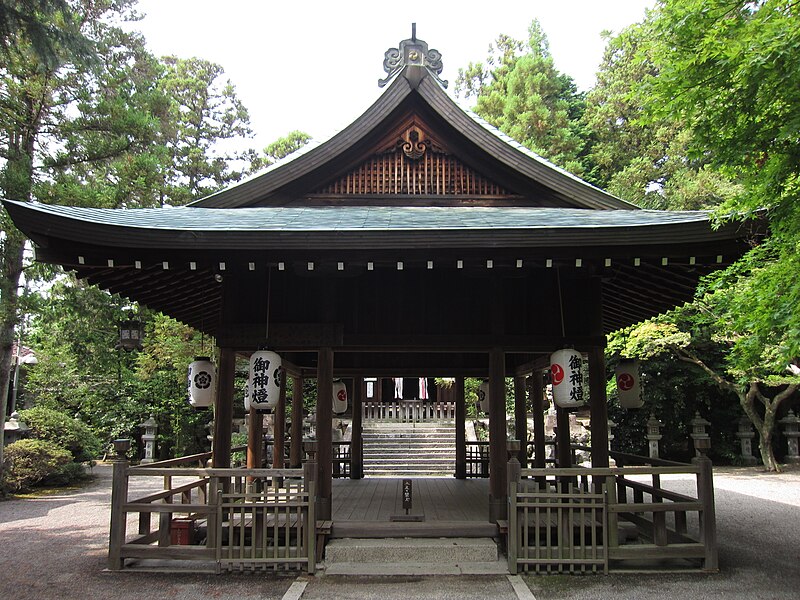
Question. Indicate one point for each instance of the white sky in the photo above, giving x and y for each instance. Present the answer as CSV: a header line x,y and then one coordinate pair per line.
x,y
314,65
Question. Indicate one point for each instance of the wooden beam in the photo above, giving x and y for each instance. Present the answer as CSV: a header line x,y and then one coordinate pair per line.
x,y
461,434
356,439
537,409
296,447
324,433
223,409
521,419
255,440
279,428
598,406
498,454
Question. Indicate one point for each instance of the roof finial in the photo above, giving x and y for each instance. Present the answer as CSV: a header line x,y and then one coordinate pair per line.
x,y
412,53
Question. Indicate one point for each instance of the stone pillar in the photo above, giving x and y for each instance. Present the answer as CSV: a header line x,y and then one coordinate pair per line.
x,y
498,492
223,409
461,433
791,431
521,419
699,435
746,435
324,433
149,438
296,447
653,435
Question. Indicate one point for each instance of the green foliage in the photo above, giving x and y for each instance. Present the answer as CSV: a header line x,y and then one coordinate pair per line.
x,y
520,91
28,462
280,148
239,458
62,430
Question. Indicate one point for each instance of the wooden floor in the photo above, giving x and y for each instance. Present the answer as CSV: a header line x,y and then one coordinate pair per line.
x,y
446,506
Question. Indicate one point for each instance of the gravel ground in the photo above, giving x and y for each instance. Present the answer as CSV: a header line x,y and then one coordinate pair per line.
x,y
55,546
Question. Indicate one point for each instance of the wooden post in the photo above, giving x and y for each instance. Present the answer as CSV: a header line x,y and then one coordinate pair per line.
x,y
310,487
296,448
512,544
356,440
521,419
563,451
461,433
498,455
279,428
223,409
537,408
598,407
255,440
708,521
324,433
119,496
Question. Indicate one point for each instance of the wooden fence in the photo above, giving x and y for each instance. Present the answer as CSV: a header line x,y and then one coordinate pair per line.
x,y
409,411
578,519
243,519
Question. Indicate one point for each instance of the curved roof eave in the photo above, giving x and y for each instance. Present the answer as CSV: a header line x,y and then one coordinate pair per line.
x,y
502,148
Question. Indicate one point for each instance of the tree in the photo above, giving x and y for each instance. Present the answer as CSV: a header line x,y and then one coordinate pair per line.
x,y
520,91
54,116
280,148
645,161
727,68
205,110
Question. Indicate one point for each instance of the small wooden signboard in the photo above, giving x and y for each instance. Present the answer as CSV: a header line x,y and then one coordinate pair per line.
x,y
408,494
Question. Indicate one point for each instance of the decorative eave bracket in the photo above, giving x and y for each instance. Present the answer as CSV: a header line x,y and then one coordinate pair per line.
x,y
412,53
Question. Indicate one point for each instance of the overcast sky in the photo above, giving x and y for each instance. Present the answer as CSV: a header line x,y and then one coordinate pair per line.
x,y
314,66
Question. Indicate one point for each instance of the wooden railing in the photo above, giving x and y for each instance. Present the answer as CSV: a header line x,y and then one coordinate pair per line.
x,y
478,458
236,518
568,520
409,411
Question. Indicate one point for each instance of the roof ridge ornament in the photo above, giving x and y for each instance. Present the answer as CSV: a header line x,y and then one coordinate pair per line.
x,y
412,52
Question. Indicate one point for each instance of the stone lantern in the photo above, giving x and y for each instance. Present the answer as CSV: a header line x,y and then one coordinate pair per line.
x,y
791,429
14,429
702,441
149,438
746,435
653,435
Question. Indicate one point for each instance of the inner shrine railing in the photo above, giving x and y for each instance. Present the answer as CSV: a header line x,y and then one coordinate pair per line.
x,y
235,519
408,411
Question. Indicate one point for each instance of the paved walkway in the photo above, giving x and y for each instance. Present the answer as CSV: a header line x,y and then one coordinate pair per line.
x,y
55,547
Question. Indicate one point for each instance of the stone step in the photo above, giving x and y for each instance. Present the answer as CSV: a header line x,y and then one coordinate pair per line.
x,y
407,550
417,462
418,445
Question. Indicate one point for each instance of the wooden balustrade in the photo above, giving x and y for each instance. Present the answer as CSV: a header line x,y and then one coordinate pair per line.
x,y
256,519
408,411
569,520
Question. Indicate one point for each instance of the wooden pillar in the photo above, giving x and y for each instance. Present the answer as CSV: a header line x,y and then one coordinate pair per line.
x,y
498,455
537,409
279,428
563,451
356,440
255,440
223,409
324,433
599,407
461,434
296,447
521,420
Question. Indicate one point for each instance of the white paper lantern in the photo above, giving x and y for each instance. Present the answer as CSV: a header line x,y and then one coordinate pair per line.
x,y
483,396
266,374
202,382
247,396
567,378
339,397
629,389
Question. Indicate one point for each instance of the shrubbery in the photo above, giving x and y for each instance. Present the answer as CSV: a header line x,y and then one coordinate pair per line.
x,y
28,462
62,430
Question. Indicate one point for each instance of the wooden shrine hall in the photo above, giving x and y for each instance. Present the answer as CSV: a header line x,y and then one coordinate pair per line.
x,y
417,242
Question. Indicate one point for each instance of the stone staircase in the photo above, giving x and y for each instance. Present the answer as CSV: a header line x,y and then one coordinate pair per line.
x,y
425,449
